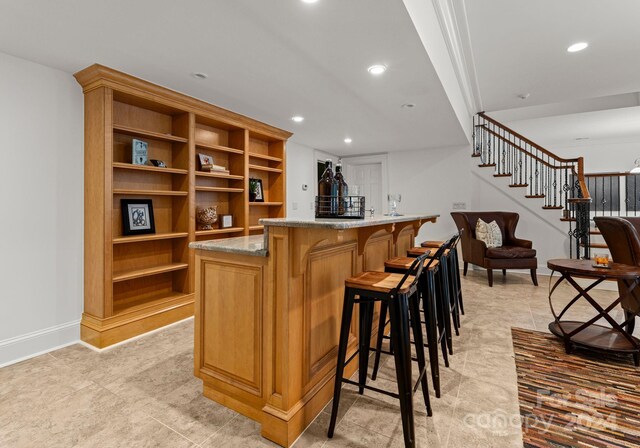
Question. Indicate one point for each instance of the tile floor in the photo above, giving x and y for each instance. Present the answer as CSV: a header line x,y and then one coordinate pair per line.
x,y
143,393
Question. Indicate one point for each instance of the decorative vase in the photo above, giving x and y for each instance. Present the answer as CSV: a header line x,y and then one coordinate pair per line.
x,y
206,216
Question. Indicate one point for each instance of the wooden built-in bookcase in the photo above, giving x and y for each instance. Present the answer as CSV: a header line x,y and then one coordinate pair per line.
x,y
134,284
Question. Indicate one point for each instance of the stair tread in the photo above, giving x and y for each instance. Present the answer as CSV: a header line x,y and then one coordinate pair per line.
x,y
534,196
518,185
552,207
486,165
596,245
503,175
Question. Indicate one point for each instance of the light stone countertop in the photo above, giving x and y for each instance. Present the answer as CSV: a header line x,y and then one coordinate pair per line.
x,y
257,245
341,224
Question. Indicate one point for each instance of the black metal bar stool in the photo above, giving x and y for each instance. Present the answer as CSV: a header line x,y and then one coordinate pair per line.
x,y
430,310
454,265
443,294
400,293
447,259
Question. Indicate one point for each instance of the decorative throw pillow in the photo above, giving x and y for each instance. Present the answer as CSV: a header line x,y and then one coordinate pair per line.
x,y
489,233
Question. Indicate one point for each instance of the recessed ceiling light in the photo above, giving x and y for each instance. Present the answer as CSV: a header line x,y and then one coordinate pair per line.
x,y
298,119
377,69
309,1
582,138
347,140
200,75
524,96
408,105
577,47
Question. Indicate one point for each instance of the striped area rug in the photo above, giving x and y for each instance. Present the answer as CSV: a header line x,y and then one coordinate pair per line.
x,y
577,400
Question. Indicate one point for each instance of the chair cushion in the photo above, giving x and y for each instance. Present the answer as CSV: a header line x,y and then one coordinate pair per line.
x,y
489,234
506,252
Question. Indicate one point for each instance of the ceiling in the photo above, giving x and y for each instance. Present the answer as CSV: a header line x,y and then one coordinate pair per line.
x,y
519,47
613,124
268,59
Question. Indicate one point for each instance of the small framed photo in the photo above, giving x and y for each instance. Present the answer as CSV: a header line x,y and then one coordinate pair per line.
x,y
205,160
226,221
256,193
137,216
139,150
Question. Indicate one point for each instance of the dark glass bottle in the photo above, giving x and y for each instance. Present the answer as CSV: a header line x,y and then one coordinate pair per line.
x,y
327,191
343,188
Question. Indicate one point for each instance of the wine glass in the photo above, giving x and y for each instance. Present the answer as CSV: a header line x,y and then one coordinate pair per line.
x,y
394,200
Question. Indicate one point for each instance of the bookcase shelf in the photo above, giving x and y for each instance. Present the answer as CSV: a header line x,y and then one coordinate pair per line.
x,y
220,189
138,283
150,237
219,175
219,148
265,168
126,192
265,157
219,231
131,166
147,134
146,272
266,204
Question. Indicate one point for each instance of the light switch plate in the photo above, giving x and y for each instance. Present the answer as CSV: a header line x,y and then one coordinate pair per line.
x,y
459,205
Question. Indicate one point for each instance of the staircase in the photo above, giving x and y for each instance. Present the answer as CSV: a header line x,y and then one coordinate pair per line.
x,y
540,174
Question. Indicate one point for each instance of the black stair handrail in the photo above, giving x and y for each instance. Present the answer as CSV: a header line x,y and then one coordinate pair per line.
x,y
559,181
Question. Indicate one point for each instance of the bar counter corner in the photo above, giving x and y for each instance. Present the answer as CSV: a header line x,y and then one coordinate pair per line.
x,y
268,308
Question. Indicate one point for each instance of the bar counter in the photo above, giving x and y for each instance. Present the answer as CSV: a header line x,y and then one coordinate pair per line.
x,y
268,308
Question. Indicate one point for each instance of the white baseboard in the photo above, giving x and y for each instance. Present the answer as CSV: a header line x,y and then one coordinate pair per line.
x,y
28,345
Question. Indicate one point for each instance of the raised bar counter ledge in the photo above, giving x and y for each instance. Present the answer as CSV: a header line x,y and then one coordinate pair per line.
x,y
268,309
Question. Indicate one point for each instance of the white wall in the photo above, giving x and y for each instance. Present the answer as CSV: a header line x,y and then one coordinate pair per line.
x,y
431,181
543,227
301,170
602,155
41,191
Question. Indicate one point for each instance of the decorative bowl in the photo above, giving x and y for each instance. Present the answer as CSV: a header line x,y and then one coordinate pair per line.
x,y
206,216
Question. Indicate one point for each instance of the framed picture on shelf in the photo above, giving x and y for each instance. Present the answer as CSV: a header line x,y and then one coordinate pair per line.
x,y
226,221
139,151
205,160
158,163
137,216
256,193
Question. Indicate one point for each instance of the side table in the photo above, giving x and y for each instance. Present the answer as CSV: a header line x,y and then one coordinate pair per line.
x,y
589,334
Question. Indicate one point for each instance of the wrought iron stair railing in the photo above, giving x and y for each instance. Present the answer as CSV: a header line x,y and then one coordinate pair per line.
x,y
558,181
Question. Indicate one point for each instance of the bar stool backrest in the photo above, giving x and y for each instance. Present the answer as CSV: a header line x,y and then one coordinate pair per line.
x,y
416,270
449,244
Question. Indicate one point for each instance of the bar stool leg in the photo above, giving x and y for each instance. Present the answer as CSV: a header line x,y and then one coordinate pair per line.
x,y
381,325
457,278
429,308
366,316
347,312
444,298
442,319
414,309
398,309
453,299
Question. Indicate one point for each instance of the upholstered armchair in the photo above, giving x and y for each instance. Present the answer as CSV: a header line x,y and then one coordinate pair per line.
x,y
513,254
622,236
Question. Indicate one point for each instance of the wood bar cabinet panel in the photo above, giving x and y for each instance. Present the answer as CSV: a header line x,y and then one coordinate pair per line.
x,y
134,284
267,326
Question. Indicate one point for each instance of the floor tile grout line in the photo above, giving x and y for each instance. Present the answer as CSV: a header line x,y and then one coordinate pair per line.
x,y
169,427
222,427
